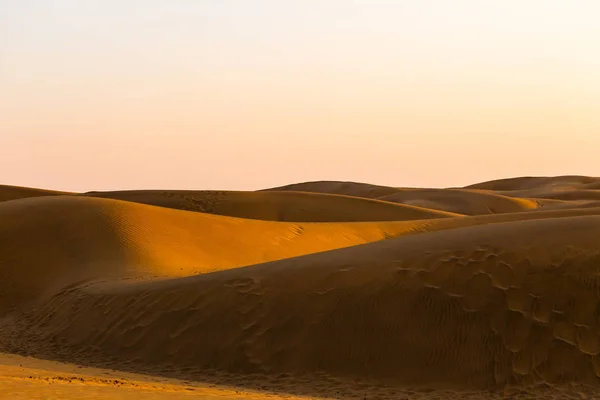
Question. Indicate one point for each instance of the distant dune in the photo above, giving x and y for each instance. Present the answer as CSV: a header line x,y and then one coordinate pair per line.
x,y
461,201
567,182
480,291
334,187
279,206
503,196
17,192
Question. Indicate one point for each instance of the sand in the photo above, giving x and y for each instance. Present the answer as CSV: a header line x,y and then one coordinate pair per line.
x,y
568,182
494,197
283,206
18,192
30,378
345,188
462,293
462,201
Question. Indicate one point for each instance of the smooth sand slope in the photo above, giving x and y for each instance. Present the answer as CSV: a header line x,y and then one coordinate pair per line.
x,y
503,303
571,188
470,308
459,201
269,206
462,201
26,378
355,189
8,192
48,243
499,196
524,183
279,206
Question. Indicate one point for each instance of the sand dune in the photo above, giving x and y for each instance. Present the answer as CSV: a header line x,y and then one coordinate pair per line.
x,y
475,307
569,188
51,242
461,201
26,378
473,292
593,185
355,189
524,183
270,206
569,195
279,206
8,192
545,193
547,204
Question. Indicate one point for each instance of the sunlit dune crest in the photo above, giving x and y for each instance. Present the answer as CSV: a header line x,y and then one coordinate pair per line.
x,y
310,288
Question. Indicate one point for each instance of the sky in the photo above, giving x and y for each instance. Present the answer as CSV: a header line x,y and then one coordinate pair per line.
x,y
239,94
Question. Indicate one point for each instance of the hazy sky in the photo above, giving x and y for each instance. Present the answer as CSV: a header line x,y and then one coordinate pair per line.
x,y
248,94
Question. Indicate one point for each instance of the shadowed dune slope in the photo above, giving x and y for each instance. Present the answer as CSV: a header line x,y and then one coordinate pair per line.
x,y
575,195
461,201
356,189
278,206
473,307
548,204
8,192
47,243
571,195
474,288
530,182
577,189
350,203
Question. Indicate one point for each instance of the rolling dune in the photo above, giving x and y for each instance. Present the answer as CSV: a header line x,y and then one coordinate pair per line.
x,y
461,201
524,183
567,194
471,308
51,242
8,192
355,189
453,293
269,206
279,206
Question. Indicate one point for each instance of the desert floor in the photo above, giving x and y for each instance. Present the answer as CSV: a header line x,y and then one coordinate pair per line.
x,y
314,290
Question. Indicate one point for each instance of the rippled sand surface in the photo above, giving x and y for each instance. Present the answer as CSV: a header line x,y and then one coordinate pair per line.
x,y
314,290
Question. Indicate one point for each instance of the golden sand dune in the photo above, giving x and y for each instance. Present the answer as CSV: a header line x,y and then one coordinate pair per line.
x,y
475,307
269,206
8,192
278,206
461,201
505,299
51,242
26,378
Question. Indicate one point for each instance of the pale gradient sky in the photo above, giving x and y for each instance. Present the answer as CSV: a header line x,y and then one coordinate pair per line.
x,y
224,94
